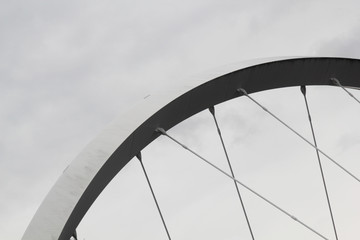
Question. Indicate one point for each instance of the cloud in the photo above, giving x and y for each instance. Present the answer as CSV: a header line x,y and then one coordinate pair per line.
x,y
342,45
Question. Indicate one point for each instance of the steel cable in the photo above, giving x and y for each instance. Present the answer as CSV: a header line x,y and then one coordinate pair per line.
x,y
212,111
153,194
240,90
303,91
163,132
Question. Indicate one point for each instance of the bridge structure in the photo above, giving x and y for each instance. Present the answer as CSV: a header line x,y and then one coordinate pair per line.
x,y
90,172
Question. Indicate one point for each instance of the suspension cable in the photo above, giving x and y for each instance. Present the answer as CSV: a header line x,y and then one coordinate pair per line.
x,y
337,82
153,194
298,134
212,111
163,132
303,90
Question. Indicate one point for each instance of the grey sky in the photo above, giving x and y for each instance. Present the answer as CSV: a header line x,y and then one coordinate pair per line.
x,y
68,68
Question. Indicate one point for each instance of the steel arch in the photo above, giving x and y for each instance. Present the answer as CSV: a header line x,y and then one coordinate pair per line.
x,y
84,179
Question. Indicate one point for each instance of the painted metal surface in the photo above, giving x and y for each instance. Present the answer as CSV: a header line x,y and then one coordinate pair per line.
x,y
89,173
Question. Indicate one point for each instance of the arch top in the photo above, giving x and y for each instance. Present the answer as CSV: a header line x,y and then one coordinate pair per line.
x,y
84,179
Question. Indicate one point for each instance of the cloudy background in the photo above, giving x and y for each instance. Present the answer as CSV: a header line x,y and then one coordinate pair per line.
x,y
67,68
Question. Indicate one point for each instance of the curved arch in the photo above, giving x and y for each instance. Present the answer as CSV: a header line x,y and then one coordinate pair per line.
x,y
84,179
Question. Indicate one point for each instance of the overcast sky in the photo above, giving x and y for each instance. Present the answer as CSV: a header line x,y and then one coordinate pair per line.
x,y
67,68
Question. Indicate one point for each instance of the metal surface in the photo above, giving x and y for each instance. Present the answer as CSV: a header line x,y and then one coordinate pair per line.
x,y
90,172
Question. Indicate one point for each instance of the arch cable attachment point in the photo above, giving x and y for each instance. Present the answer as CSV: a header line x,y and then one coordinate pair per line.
x,y
337,82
